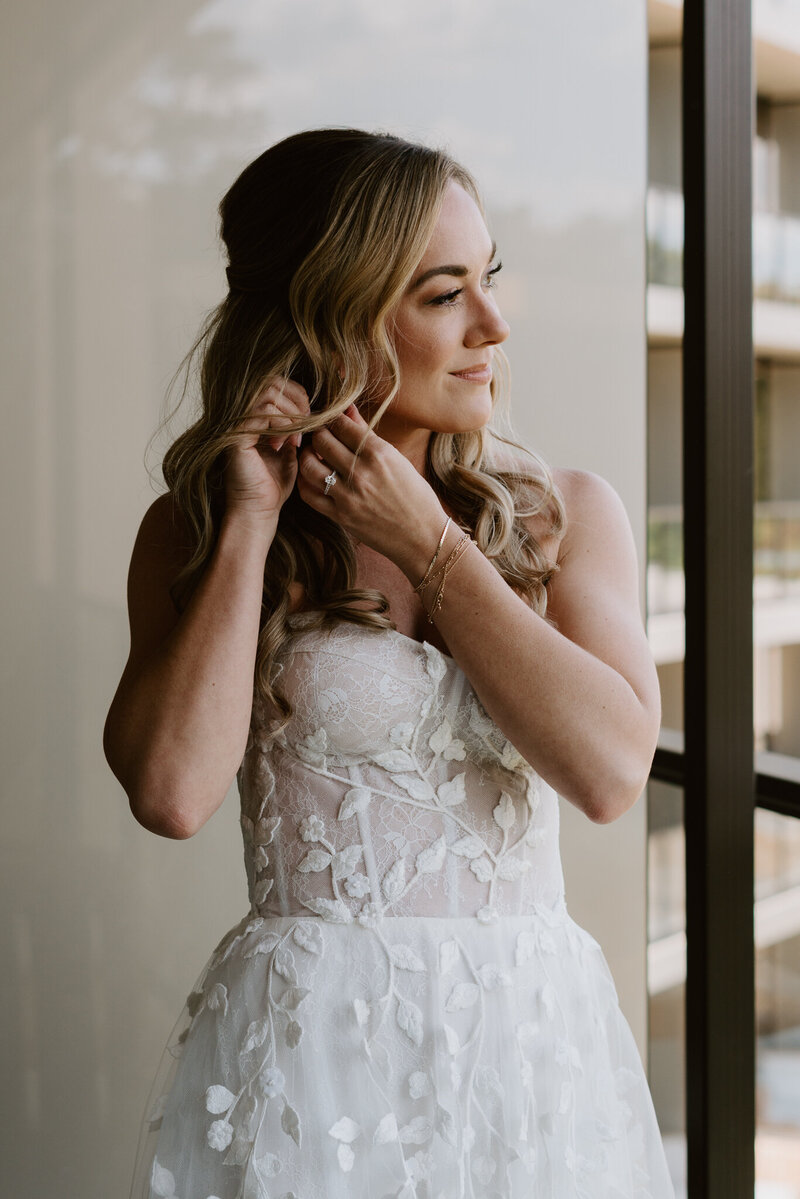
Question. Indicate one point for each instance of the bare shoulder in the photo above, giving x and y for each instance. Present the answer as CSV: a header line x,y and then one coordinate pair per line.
x,y
161,550
596,518
164,529
598,567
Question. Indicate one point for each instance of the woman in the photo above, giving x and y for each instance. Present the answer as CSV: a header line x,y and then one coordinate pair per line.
x,y
442,635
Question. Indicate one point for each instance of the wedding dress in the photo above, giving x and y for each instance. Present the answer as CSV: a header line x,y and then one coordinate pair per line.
x,y
407,1010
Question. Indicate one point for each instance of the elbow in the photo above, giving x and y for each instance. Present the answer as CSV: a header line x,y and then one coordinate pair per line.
x,y
157,801
163,805
605,812
603,803
164,817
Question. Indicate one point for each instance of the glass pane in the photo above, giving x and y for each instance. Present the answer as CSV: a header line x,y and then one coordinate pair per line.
x,y
776,326
777,924
776,329
665,588
666,954
666,971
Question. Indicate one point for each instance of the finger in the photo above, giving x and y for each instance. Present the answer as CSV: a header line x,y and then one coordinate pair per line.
x,y
351,429
332,450
313,494
294,391
315,472
275,405
267,416
260,431
287,389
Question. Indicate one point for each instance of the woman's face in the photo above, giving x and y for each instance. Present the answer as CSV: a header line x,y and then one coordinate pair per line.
x,y
446,328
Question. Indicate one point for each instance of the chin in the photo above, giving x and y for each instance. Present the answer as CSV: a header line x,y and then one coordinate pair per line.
x,y
464,426
472,421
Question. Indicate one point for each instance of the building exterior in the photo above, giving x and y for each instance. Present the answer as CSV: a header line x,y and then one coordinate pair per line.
x,y
776,330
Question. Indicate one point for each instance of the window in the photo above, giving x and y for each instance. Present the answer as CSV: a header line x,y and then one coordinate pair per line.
x,y
741,446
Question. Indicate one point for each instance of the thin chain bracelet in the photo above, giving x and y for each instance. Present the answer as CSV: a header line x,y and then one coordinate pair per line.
x,y
428,576
455,555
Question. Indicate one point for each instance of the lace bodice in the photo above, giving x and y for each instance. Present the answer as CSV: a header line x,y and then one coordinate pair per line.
x,y
390,792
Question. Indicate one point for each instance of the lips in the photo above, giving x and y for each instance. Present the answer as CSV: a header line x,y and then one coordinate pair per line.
x,y
480,373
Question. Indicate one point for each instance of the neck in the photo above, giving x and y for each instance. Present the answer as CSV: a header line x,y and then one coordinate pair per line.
x,y
411,442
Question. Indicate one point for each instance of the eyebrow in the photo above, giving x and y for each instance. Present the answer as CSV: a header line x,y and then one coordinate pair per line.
x,y
459,272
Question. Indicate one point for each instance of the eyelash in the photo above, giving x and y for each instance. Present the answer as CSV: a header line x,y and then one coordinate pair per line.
x,y
448,300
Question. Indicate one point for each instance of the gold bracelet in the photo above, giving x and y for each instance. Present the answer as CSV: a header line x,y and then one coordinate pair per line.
x,y
452,560
420,587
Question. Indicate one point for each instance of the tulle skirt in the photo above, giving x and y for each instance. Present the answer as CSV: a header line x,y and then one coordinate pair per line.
x,y
411,1057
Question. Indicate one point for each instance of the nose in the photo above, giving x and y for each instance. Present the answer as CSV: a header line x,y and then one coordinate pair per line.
x,y
488,328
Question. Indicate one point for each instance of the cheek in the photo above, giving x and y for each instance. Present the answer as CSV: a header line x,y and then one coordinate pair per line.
x,y
421,352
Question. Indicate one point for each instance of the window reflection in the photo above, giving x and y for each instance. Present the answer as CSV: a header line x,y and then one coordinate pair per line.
x,y
777,921
776,277
776,331
777,935
666,970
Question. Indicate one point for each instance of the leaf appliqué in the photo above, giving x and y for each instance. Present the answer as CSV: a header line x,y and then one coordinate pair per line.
x,y
315,860
452,792
406,958
409,1019
346,860
394,880
469,846
504,814
355,800
290,1123
307,935
432,859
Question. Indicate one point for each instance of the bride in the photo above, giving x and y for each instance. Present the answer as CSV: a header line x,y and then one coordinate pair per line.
x,y
409,637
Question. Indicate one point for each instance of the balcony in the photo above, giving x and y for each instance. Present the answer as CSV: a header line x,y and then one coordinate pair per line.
x,y
776,248
777,578
776,277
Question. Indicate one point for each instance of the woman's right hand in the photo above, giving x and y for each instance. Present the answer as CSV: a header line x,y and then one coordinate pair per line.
x,y
261,467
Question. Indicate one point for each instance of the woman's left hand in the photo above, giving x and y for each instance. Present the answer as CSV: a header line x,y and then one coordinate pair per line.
x,y
378,496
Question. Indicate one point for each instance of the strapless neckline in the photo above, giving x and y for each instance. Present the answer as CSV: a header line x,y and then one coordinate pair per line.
x,y
420,645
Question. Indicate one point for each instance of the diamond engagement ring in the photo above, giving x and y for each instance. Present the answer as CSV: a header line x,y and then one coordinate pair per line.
x,y
329,481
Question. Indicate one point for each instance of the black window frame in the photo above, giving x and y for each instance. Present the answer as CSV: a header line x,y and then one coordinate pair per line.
x,y
714,761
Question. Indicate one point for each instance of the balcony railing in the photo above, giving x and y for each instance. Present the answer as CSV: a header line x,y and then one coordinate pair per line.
x,y
776,247
776,558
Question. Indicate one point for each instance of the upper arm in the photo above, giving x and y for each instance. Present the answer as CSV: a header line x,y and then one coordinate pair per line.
x,y
160,552
593,599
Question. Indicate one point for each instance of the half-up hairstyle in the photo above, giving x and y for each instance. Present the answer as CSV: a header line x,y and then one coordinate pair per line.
x,y
324,232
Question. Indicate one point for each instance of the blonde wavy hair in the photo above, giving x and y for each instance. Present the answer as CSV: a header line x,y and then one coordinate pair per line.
x,y
323,232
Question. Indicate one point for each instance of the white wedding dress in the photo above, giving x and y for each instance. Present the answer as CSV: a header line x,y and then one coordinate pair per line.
x,y
407,1010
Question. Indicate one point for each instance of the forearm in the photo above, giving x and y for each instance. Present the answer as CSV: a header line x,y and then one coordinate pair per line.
x,y
572,716
178,726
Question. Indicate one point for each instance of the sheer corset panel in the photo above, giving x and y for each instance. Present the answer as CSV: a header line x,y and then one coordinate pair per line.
x,y
390,792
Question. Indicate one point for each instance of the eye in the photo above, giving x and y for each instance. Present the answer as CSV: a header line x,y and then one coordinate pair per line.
x,y
489,279
447,299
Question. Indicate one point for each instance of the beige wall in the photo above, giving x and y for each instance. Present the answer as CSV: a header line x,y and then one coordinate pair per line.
x,y
783,432
664,107
121,126
665,387
785,129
